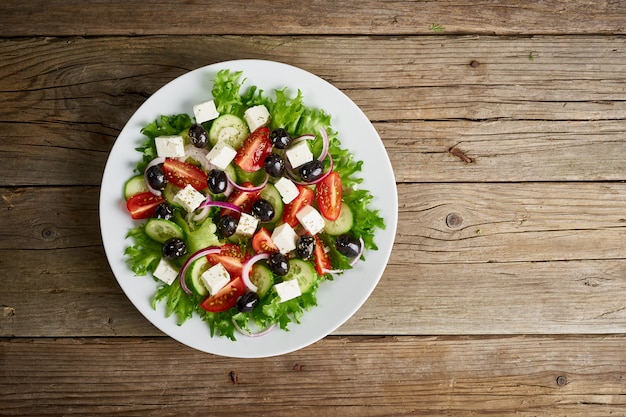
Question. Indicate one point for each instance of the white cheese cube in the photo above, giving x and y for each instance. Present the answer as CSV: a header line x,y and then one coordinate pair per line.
x,y
285,238
189,198
215,278
205,111
299,154
170,146
256,117
247,225
288,290
287,189
221,155
311,219
166,272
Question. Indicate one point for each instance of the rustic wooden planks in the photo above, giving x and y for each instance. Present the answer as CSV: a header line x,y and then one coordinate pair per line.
x,y
517,375
280,17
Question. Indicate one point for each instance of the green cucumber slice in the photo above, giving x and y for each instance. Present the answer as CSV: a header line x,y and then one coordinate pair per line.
x,y
303,271
230,129
161,230
271,194
135,185
262,277
343,224
194,273
255,178
170,192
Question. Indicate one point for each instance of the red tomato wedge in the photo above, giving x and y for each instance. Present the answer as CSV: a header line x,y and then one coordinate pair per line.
x,y
262,242
242,199
251,156
226,298
231,257
182,174
143,205
322,260
304,198
328,194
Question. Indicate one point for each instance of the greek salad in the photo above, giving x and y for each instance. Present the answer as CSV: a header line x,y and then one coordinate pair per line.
x,y
245,208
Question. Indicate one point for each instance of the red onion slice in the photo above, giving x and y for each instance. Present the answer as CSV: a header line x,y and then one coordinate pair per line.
x,y
245,272
250,334
199,254
325,144
295,178
222,204
248,189
156,161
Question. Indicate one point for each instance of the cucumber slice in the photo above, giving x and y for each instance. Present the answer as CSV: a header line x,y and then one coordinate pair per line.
x,y
194,273
262,277
343,224
254,178
271,194
303,271
230,129
135,185
169,193
161,230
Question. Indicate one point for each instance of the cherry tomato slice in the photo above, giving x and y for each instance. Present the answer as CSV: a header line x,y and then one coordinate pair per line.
x,y
262,242
226,298
322,259
231,257
251,156
181,174
143,205
328,195
304,198
242,199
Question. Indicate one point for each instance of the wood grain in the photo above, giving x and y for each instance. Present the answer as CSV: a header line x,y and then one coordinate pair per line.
x,y
468,259
504,376
491,17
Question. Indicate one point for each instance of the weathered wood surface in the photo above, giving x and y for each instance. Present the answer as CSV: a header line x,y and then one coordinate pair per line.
x,y
346,376
280,17
505,124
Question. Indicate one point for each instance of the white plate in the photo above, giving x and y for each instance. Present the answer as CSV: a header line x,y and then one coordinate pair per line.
x,y
338,300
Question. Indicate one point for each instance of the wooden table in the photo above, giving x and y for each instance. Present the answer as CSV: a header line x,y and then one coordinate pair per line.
x,y
505,293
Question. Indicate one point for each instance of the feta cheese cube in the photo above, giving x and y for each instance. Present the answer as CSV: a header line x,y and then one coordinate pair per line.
x,y
189,198
299,154
256,117
166,272
205,111
170,146
215,278
247,225
287,189
288,290
285,238
311,219
221,155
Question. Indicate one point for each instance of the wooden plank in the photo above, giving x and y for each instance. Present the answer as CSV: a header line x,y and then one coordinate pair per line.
x,y
278,17
420,151
468,259
338,376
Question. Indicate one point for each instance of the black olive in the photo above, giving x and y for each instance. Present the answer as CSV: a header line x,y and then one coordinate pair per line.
x,y
217,181
227,225
174,248
274,165
156,177
311,170
164,211
247,302
280,138
263,210
278,264
198,136
347,245
305,246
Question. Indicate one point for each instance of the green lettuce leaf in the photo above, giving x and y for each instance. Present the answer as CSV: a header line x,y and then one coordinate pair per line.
x,y
145,253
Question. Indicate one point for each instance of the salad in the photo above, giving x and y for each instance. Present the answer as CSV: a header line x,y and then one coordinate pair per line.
x,y
245,208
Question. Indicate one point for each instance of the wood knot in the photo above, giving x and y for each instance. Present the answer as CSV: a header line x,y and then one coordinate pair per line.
x,y
561,381
48,233
454,220
474,64
234,378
